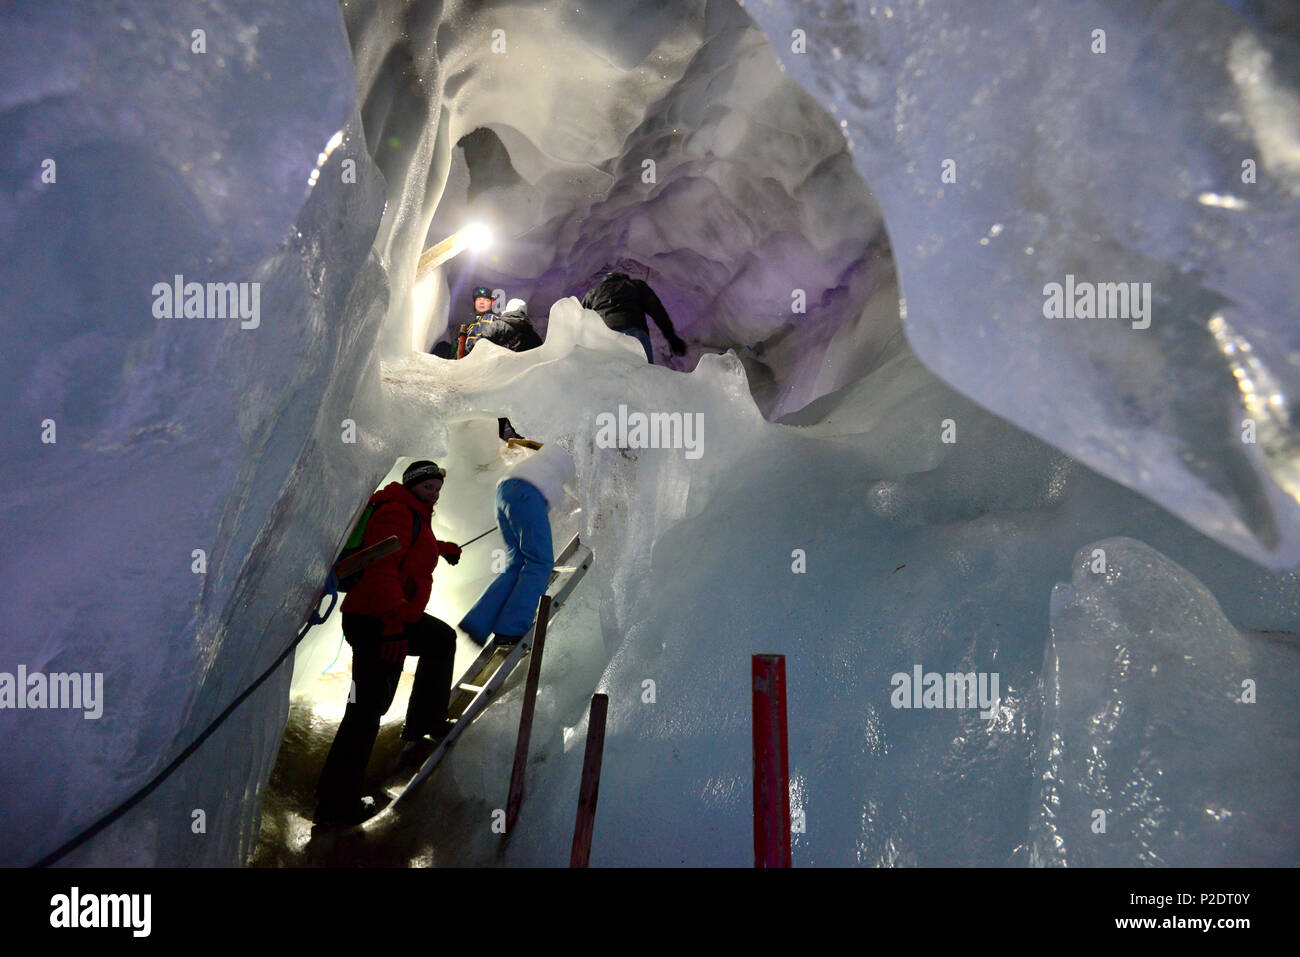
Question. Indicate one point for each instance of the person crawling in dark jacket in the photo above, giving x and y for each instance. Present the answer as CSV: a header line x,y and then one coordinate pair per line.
x,y
624,302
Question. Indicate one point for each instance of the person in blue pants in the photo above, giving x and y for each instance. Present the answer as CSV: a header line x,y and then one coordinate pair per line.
x,y
524,496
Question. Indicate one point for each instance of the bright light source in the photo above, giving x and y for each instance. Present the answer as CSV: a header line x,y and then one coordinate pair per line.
x,y
476,237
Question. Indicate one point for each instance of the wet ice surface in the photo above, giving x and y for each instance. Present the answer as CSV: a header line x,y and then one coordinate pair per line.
x,y
173,435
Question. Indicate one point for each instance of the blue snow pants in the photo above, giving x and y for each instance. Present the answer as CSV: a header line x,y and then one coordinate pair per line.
x,y
508,605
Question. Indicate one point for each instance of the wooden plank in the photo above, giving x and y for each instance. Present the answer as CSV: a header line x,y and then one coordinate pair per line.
x,y
436,255
589,790
367,556
516,796
771,763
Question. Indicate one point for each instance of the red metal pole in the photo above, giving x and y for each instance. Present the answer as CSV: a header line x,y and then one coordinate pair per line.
x,y
526,714
771,763
589,790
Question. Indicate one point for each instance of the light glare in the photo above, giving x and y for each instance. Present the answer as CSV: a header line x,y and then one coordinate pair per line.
x,y
476,237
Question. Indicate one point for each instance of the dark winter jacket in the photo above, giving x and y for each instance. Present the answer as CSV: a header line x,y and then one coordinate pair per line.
x,y
624,302
396,589
511,330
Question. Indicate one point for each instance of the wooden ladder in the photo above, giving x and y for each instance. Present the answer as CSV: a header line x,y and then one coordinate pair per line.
x,y
495,663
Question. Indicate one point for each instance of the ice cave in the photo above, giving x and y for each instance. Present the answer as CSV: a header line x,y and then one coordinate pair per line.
x,y
989,315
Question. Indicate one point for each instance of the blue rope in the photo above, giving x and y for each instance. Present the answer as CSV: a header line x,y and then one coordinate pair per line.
x,y
332,590
314,618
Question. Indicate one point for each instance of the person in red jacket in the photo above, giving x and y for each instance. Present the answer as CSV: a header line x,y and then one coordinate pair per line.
x,y
384,621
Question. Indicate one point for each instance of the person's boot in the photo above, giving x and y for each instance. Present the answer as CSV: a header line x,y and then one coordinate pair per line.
x,y
507,431
329,816
434,734
417,747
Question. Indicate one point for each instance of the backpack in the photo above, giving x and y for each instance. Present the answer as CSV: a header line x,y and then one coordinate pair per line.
x,y
357,538
524,336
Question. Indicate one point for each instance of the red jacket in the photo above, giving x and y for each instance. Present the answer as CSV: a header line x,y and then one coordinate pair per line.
x,y
396,589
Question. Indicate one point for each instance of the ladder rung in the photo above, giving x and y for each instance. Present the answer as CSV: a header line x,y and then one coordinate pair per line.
x,y
488,667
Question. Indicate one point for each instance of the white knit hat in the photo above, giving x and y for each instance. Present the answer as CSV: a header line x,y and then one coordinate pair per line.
x,y
516,305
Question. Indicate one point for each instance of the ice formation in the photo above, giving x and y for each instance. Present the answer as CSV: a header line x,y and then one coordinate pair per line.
x,y
1111,143
1143,669
201,475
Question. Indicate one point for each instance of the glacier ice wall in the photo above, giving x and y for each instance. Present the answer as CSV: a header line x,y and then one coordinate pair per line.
x,y
1112,157
169,504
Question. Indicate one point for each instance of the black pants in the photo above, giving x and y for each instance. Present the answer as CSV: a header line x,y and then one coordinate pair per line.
x,y
374,682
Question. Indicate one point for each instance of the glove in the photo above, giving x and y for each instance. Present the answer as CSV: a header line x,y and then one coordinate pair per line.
x,y
393,650
452,557
678,346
